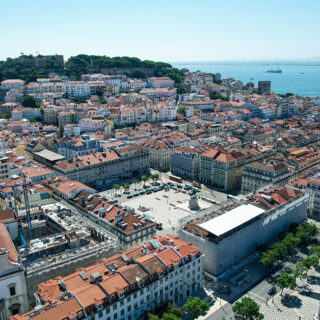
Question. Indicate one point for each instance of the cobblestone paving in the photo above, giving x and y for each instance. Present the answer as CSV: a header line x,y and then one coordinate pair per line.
x,y
302,303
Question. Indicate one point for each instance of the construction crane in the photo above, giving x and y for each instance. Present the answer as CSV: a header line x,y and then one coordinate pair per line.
x,y
24,185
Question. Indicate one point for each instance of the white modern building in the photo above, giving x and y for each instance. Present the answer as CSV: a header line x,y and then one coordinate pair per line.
x,y
228,239
77,89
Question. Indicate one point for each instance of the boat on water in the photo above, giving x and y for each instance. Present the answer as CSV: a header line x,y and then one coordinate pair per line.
x,y
274,71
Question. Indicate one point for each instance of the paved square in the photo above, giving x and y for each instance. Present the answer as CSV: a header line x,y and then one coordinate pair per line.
x,y
166,207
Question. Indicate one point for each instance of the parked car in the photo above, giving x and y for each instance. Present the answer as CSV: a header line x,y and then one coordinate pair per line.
x,y
272,291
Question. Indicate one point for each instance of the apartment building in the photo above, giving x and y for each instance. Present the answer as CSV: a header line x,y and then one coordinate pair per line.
x,y
65,188
129,227
105,168
77,89
65,117
12,84
159,153
241,229
160,82
73,147
14,299
50,114
223,168
125,286
185,162
92,125
262,173
45,87
198,105
5,166
8,106
158,93
72,130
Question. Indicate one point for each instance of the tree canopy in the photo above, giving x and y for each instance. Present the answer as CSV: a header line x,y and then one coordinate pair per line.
x,y
138,74
29,101
29,68
182,110
286,281
195,306
247,309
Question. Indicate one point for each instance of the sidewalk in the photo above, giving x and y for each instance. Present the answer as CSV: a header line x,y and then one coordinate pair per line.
x,y
219,303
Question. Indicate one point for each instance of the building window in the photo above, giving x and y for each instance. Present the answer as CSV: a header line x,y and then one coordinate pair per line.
x,y
12,289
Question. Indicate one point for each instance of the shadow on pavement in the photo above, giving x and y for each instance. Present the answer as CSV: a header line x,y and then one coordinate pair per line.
x,y
291,301
310,294
313,280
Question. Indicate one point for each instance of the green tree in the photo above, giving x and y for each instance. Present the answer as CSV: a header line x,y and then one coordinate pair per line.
x,y
286,281
280,249
215,95
138,74
126,186
170,316
302,234
155,177
29,101
174,310
151,316
195,307
300,270
247,309
6,115
268,258
290,242
311,229
182,110
310,262
144,179
316,251
102,101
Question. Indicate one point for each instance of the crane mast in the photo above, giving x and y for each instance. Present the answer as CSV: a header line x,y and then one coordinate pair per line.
x,y
26,201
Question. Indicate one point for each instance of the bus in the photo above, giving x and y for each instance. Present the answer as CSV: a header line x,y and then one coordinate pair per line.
x,y
197,185
176,179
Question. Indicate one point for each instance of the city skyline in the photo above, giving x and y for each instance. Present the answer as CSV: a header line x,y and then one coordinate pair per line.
x,y
180,31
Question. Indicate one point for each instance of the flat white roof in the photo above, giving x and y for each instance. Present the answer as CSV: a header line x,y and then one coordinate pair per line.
x,y
231,219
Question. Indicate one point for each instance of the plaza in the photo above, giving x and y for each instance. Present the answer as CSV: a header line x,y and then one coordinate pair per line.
x,y
171,208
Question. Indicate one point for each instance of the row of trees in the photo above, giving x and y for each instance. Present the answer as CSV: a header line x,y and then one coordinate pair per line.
x,y
300,271
194,307
299,236
135,182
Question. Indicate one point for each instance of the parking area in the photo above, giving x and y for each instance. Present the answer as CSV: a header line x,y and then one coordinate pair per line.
x,y
165,203
170,208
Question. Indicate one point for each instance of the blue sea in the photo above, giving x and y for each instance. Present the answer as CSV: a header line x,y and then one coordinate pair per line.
x,y
299,78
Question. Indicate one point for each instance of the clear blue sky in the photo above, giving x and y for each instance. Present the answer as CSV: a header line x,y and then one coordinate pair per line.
x,y
167,30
